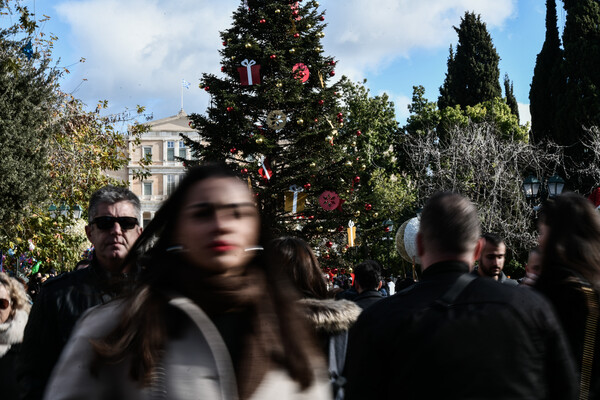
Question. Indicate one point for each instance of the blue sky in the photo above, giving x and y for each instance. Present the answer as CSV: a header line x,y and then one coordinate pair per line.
x,y
137,51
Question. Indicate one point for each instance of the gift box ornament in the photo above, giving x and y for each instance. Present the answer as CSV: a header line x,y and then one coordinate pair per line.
x,y
295,199
249,73
351,234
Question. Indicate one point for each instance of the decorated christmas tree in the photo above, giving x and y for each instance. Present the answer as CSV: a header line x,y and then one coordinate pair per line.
x,y
275,115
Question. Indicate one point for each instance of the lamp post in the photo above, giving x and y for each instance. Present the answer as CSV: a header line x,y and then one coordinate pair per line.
x,y
533,188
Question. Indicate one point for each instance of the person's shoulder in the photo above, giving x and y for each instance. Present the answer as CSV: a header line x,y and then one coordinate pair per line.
x,y
66,279
330,315
99,320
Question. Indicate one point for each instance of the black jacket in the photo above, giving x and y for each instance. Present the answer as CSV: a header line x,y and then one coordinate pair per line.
x,y
565,290
493,342
57,308
367,298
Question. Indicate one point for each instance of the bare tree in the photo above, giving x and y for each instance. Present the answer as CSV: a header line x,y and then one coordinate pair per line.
x,y
476,163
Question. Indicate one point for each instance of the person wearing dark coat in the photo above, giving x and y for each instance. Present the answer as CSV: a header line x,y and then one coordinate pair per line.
x,y
570,278
453,335
367,280
14,310
113,227
330,319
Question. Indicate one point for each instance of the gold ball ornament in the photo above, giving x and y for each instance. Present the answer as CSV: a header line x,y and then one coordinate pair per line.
x,y
375,215
344,250
308,26
233,57
353,144
300,121
260,140
279,84
348,163
363,167
319,229
313,165
316,4
248,45
341,124
277,11
292,50
357,213
318,49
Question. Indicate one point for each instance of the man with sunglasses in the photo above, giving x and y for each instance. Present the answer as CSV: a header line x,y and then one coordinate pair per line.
x,y
113,228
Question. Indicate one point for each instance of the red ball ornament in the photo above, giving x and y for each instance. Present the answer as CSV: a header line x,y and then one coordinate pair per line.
x,y
332,62
307,186
327,256
340,115
229,109
262,21
244,170
329,244
341,228
368,207
316,119
232,150
358,133
322,18
332,73
311,217
321,102
295,13
224,43
222,69
272,56
386,229
296,35
357,179
206,88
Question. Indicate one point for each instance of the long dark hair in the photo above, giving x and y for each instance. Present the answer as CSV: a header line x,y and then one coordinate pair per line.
x,y
295,256
573,239
142,331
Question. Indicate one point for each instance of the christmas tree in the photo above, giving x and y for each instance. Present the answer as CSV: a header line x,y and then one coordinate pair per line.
x,y
276,117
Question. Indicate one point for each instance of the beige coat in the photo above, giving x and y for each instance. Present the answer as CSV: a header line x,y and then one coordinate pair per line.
x,y
196,365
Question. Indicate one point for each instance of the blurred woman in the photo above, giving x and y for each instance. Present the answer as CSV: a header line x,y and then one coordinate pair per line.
x,y
209,318
331,319
570,277
14,311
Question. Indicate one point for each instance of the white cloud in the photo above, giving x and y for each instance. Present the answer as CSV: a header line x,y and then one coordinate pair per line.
x,y
368,35
139,50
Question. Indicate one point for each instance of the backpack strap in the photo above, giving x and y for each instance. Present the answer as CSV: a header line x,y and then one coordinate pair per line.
x,y
589,341
448,298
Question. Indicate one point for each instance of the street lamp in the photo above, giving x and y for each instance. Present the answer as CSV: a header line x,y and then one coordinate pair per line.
x,y
534,188
555,186
388,227
531,186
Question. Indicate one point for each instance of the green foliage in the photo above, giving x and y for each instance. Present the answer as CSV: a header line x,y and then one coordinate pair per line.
x,y
473,73
337,137
509,94
426,117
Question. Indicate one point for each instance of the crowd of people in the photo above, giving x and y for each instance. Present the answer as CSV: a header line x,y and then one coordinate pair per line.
x,y
204,304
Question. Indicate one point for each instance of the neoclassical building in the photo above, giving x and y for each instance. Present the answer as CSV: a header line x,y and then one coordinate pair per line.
x,y
163,144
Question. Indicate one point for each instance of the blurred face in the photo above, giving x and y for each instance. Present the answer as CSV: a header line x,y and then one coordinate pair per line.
x,y
217,223
112,239
5,304
491,260
534,263
544,231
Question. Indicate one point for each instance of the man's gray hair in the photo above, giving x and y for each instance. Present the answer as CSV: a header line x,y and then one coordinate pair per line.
x,y
449,223
110,195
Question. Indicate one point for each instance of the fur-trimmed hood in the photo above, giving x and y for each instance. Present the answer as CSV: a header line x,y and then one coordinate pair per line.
x,y
11,332
330,316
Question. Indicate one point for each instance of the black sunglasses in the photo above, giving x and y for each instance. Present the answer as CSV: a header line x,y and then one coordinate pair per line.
x,y
4,303
108,222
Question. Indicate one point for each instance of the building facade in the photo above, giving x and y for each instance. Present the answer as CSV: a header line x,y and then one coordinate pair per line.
x,y
164,145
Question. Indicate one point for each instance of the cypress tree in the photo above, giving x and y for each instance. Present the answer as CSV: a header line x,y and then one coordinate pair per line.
x,y
511,100
547,83
473,74
579,106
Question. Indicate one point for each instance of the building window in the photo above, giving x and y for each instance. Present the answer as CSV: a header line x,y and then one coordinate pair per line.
x,y
170,151
171,184
182,150
147,151
147,188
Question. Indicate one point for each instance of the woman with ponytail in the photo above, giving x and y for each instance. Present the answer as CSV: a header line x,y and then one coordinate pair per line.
x,y
209,318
